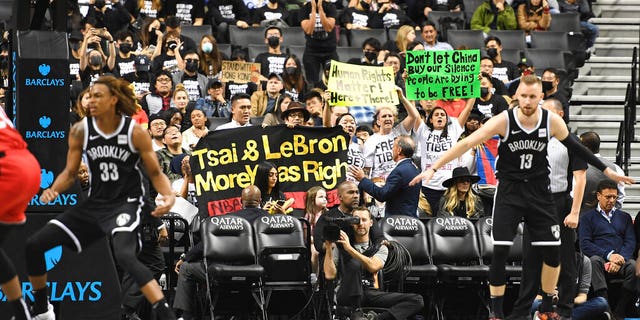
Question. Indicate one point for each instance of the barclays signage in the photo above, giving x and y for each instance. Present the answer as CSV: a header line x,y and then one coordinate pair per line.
x,y
63,199
44,122
44,70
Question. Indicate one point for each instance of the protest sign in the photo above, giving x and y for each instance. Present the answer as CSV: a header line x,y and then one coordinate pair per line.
x,y
356,85
442,74
238,71
225,161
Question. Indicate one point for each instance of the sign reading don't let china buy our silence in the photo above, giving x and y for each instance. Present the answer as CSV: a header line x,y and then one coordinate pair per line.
x,y
356,85
442,74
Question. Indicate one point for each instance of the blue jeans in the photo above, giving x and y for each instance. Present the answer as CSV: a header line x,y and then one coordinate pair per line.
x,y
591,33
587,310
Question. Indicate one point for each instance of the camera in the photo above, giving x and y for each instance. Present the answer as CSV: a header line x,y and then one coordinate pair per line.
x,y
331,231
172,45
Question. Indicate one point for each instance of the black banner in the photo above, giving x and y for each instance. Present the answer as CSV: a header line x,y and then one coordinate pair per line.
x,y
225,162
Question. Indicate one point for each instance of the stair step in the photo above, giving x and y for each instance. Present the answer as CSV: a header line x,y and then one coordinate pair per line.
x,y
590,99
615,30
607,89
599,118
618,40
615,50
618,12
593,109
617,2
609,20
604,78
611,60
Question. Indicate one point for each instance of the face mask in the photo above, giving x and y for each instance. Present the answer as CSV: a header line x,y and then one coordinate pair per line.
x,y
371,56
365,5
125,48
492,52
290,70
172,45
191,66
99,4
547,85
207,47
274,42
484,91
95,61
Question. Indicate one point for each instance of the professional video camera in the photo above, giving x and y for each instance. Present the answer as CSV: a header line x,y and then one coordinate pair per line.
x,y
331,231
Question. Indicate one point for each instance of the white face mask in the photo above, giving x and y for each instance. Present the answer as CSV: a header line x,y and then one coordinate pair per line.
x,y
207,47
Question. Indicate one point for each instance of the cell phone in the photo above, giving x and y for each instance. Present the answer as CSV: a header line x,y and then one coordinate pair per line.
x,y
99,31
280,202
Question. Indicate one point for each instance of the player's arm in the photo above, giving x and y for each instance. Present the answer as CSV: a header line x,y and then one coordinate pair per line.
x,y
580,178
142,143
70,172
495,126
560,131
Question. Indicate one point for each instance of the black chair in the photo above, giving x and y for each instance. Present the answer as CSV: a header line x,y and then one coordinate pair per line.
x,y
225,49
346,53
256,121
196,33
293,36
357,37
470,7
557,40
510,39
546,58
179,242
297,50
215,122
435,16
512,55
255,50
514,261
230,263
244,37
392,34
473,39
283,253
565,22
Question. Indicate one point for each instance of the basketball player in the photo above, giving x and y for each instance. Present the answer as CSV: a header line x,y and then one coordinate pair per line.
x,y
523,190
114,145
19,182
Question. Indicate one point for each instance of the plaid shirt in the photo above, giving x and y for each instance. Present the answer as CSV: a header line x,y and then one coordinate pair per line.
x,y
165,157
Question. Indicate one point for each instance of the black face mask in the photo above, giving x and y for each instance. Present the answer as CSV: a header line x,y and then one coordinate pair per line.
x,y
290,70
371,56
191,66
547,85
95,61
365,5
125,48
274,42
171,45
484,91
492,52
99,4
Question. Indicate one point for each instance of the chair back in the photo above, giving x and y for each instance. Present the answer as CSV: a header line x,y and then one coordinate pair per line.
x,y
228,239
411,233
453,240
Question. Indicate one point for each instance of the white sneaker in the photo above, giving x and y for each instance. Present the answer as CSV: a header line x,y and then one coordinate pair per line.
x,y
49,315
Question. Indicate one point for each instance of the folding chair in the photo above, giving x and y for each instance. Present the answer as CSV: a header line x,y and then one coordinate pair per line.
x,y
470,38
251,35
294,36
357,37
230,262
510,39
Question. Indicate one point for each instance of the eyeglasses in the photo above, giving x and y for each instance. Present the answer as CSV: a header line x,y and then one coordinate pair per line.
x,y
158,124
163,80
296,115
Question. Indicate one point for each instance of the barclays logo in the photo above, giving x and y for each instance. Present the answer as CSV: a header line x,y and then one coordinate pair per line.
x,y
44,69
63,199
52,257
46,178
44,122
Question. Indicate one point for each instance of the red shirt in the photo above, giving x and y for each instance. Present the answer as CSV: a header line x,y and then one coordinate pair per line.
x,y
10,138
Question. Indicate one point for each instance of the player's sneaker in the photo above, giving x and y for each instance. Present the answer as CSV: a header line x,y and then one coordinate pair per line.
x,y
49,315
546,316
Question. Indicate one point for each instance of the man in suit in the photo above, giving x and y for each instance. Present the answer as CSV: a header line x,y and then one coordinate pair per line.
x,y
401,198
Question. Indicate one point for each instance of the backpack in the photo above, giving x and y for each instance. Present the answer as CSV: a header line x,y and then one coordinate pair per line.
x,y
449,23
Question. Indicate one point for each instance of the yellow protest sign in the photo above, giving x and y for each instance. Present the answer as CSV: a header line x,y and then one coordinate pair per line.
x,y
356,85
240,72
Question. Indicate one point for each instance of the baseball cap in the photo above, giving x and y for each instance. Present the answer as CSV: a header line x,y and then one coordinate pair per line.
x,y
142,62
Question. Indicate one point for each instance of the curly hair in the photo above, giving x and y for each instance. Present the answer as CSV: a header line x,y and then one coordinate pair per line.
x,y
123,90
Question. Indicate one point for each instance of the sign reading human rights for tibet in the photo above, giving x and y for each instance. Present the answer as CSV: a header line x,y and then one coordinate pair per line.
x,y
442,74
356,85
225,161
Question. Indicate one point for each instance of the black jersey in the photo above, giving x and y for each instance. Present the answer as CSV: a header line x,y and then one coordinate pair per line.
x,y
113,162
522,154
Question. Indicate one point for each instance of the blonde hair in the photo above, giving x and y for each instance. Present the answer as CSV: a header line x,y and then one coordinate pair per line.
x,y
180,87
451,200
123,90
401,37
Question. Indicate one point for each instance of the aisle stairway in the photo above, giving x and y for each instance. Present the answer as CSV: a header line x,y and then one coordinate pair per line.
x,y
599,91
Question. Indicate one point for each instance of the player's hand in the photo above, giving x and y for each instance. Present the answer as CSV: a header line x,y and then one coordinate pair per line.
x,y
618,177
425,175
571,220
48,195
165,201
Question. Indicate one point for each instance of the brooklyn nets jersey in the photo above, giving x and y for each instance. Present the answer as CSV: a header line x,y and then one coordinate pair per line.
x,y
113,162
522,154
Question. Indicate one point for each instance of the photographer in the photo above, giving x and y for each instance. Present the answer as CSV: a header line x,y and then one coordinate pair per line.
x,y
349,197
357,267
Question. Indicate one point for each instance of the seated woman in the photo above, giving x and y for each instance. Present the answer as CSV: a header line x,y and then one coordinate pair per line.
x,y
458,200
533,15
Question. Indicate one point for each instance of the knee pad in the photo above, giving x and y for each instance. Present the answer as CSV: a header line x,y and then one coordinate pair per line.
x,y
551,256
497,270
7,270
34,255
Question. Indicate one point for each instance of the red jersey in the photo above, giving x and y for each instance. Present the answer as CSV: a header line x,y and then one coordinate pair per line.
x,y
10,138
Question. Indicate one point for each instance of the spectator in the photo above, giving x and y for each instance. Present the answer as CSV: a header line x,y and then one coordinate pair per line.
x,y
370,52
591,140
400,198
114,17
315,103
210,57
349,197
318,23
214,104
406,34
93,61
359,17
233,88
80,109
415,45
188,12
489,103
151,35
240,112
275,117
191,136
534,15
550,81
502,69
145,9
486,66
272,12
124,60
363,132
141,78
493,15
185,187
294,83
194,82
172,139
394,61
75,40
295,115
273,60
607,238
161,93
225,13
430,37
391,15
173,117
315,206
181,102
267,181
156,131
173,24
169,57
264,101
582,7
340,116
459,200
